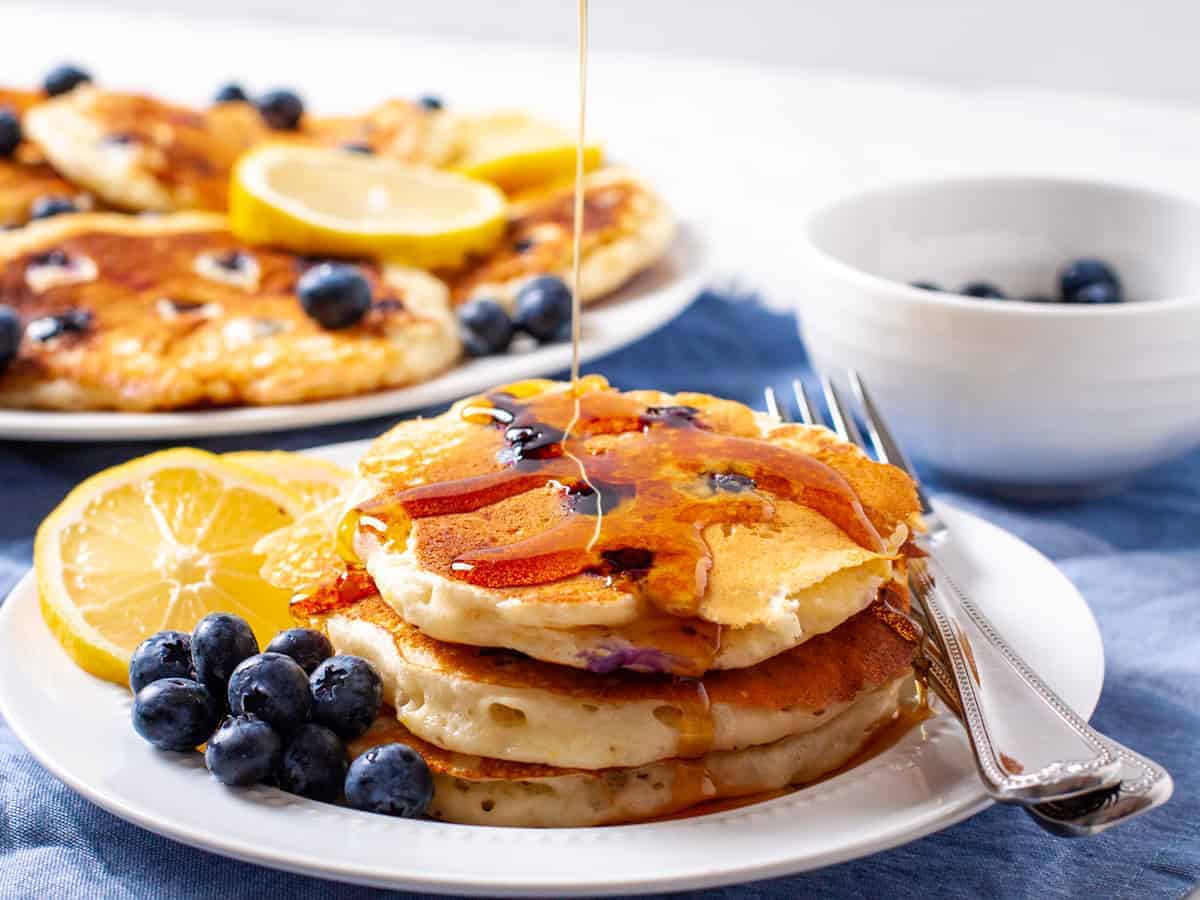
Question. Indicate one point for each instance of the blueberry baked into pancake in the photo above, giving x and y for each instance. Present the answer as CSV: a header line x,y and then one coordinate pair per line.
x,y
171,312
679,600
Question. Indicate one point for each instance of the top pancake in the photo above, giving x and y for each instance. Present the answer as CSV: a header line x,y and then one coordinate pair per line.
x,y
141,153
26,176
174,312
777,577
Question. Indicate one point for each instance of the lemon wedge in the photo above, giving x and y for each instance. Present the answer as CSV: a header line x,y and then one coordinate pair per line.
x,y
304,555
315,481
318,200
158,543
515,152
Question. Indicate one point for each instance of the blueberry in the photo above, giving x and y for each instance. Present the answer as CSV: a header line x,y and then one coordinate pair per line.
x,y
926,285
71,321
10,336
167,654
346,694
232,92
274,688
281,109
313,764
359,147
431,102
10,132
243,750
1079,274
484,327
984,289
220,641
175,713
392,779
544,309
731,482
307,647
64,78
1097,292
335,294
45,207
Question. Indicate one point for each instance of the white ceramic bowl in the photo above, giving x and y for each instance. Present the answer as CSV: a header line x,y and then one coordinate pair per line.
x,y
1040,399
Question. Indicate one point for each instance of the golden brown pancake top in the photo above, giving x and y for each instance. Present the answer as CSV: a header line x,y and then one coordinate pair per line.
x,y
147,296
538,239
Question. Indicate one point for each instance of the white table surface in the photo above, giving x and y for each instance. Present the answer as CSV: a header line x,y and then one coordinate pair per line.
x,y
745,149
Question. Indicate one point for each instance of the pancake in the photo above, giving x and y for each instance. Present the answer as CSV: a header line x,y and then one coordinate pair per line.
x,y
172,312
495,703
141,153
25,177
627,227
774,581
479,791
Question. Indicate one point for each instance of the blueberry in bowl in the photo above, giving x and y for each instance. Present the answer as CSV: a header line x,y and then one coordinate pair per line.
x,y
10,131
1087,272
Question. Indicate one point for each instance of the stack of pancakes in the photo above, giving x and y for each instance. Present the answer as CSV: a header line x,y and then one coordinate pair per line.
x,y
613,612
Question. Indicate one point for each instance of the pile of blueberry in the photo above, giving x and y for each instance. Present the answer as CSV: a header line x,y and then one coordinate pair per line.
x,y
542,311
280,717
1082,281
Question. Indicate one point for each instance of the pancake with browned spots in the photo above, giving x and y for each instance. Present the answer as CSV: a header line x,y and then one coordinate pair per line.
x,y
26,176
775,580
173,312
627,227
141,153
496,703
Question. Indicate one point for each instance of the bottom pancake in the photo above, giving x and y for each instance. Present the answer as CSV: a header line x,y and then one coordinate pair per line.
x,y
477,791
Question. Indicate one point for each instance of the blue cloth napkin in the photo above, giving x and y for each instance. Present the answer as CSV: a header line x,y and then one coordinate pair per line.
x,y
1135,557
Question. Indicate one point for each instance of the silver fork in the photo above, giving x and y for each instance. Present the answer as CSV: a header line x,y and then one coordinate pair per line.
x,y
1030,747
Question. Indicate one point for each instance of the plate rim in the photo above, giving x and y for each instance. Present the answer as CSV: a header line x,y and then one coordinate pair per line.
x,y
932,818
691,247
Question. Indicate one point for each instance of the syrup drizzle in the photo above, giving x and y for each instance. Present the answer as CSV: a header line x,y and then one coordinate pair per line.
x,y
577,223
663,475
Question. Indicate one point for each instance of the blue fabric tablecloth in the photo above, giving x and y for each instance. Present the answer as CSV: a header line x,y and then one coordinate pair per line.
x,y
1135,557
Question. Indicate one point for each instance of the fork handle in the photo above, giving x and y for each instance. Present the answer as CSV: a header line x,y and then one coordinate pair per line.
x,y
1029,745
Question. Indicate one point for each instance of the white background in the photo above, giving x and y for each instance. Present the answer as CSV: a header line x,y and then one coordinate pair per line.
x,y
1136,47
851,93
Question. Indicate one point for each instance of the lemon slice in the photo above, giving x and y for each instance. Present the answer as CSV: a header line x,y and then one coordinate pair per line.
x,y
304,555
316,481
516,152
158,543
318,200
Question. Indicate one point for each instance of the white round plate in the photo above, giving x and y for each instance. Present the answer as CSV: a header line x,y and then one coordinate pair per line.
x,y
78,728
645,304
